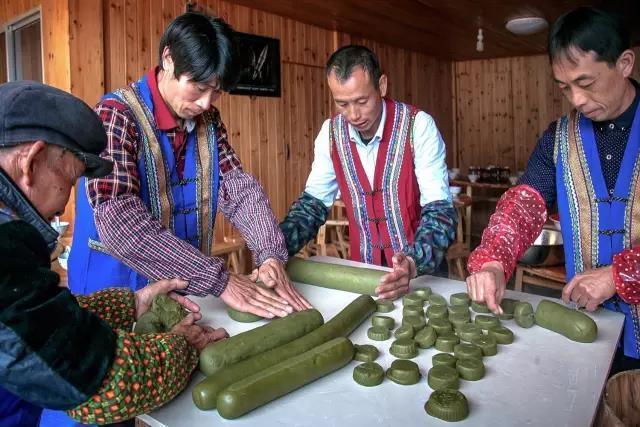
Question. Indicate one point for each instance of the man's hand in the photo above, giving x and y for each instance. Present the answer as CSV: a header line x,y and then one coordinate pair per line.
x,y
396,283
144,297
488,286
590,288
198,336
272,273
244,295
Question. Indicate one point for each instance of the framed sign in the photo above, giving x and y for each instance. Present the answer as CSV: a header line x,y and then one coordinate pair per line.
x,y
259,66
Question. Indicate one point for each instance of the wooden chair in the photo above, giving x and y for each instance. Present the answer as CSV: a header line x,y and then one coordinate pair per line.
x,y
231,249
331,239
546,277
459,251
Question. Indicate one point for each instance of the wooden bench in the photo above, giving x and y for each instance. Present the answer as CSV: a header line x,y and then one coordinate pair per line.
x,y
232,250
546,277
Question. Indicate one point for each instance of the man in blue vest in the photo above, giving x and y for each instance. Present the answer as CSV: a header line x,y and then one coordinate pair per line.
x,y
588,163
154,215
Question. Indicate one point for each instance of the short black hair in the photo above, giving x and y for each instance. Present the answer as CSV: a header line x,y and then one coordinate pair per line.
x,y
202,47
344,60
589,29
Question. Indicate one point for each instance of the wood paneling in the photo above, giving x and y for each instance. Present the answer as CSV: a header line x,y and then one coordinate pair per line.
x,y
444,29
502,108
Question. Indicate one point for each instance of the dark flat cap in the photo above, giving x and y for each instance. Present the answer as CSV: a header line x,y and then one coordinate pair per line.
x,y
31,111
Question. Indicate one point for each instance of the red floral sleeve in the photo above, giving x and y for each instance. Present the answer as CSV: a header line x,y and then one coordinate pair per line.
x,y
520,214
626,275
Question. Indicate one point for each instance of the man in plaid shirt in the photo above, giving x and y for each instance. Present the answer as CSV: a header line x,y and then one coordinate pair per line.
x,y
153,216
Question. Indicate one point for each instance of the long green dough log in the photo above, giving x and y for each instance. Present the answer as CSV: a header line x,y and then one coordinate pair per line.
x,y
206,392
344,278
284,377
223,353
573,324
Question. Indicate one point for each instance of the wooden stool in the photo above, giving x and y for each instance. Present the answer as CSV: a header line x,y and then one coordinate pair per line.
x,y
546,277
331,239
232,249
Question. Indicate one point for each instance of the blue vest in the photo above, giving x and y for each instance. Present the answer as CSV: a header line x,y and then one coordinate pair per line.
x,y
186,206
597,225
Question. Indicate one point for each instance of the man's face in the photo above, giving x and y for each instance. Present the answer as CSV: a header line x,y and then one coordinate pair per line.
x,y
48,176
189,99
358,100
594,88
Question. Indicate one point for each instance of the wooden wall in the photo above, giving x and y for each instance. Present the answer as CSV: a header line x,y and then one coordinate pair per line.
x,y
502,106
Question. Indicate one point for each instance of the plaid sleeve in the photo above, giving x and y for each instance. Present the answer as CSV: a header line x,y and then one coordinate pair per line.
x,y
116,306
148,371
122,149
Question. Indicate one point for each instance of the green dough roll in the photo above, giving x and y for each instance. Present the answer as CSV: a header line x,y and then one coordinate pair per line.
x,y
342,277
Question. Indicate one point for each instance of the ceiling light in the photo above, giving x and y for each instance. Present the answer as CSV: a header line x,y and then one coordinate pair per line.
x,y
526,25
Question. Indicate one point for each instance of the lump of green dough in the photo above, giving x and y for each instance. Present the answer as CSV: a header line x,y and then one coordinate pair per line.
x,y
412,310
404,331
461,298
365,353
437,299
425,337
384,306
164,314
242,317
470,369
404,372
447,405
412,300
437,312
385,321
417,322
444,359
148,323
404,348
378,333
479,307
447,343
442,377
368,374
423,293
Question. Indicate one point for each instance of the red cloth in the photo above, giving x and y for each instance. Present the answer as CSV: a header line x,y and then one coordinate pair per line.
x,y
626,275
517,221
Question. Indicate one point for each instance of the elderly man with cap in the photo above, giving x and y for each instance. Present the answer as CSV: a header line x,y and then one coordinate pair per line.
x,y
58,351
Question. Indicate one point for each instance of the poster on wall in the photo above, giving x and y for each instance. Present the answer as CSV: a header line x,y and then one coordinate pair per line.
x,y
259,58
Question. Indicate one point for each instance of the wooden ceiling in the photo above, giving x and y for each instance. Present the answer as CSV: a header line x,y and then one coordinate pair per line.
x,y
441,28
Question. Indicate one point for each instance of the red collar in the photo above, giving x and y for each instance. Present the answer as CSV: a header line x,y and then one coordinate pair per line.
x,y
161,112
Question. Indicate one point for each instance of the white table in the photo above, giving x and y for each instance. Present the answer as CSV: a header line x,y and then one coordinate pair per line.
x,y
542,379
